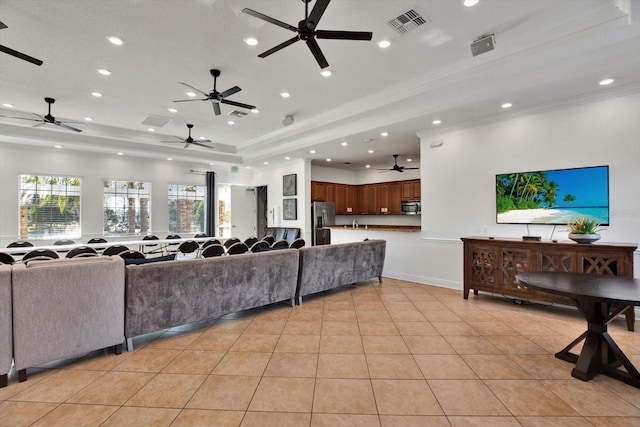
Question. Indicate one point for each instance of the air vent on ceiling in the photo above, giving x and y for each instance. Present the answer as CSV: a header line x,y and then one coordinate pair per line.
x,y
236,113
408,21
155,121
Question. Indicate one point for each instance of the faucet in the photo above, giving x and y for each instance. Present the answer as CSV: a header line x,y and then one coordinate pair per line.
x,y
355,223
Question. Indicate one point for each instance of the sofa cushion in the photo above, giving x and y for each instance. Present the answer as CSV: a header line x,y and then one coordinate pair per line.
x,y
140,261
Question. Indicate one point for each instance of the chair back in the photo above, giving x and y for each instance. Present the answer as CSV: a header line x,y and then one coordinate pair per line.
x,y
40,254
237,248
269,239
188,247
211,242
6,259
95,240
280,244
20,244
63,242
150,245
81,251
250,241
172,247
260,246
213,250
131,254
115,250
200,235
297,243
230,242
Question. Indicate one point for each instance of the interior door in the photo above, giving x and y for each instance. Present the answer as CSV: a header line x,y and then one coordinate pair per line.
x,y
243,211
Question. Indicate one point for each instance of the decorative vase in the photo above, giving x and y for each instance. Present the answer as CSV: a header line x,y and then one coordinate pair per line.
x,y
584,238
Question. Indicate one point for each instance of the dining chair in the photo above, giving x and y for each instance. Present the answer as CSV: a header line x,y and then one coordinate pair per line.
x,y
237,248
6,258
132,254
154,249
188,247
250,241
230,242
297,243
95,240
212,250
20,244
280,244
115,250
81,251
269,239
40,254
211,242
260,246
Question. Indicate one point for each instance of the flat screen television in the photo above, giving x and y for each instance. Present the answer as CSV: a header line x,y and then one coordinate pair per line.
x,y
553,196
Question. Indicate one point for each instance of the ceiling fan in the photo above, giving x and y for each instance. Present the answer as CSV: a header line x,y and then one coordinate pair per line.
x,y
189,140
49,119
216,97
16,53
396,167
306,30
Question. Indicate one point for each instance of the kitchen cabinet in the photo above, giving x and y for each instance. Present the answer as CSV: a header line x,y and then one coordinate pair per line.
x,y
395,198
351,199
411,189
318,191
330,192
382,199
367,199
341,199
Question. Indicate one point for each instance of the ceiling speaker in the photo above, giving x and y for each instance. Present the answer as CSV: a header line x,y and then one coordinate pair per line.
x,y
288,120
483,44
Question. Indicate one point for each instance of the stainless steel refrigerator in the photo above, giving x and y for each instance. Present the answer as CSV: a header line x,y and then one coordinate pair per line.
x,y
323,215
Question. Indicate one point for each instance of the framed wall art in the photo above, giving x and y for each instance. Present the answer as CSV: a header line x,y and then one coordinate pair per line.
x,y
289,185
290,208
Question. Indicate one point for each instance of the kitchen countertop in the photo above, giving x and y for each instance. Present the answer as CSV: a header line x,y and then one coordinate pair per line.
x,y
370,227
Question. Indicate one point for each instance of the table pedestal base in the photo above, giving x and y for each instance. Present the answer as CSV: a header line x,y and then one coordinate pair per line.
x,y
600,353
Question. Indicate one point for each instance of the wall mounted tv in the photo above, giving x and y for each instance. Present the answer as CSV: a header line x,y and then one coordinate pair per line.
x,y
553,196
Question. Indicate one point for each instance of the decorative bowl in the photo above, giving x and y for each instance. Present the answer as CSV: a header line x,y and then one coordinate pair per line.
x,y
584,238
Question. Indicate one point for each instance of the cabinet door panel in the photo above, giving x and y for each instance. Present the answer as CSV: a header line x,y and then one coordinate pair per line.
x,y
395,198
351,197
382,199
340,199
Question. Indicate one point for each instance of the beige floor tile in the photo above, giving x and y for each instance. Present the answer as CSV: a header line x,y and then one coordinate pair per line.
x,y
332,305
428,345
529,398
275,419
227,326
194,362
413,421
430,306
620,389
441,316
393,366
342,366
561,422
302,365
306,314
407,316
113,388
467,397
444,366
613,421
19,414
493,328
515,344
405,397
369,305
148,417
496,367
399,305
464,344
298,344
341,344
148,360
232,393
167,391
205,418
297,327
278,394
454,328
103,360
275,312
266,327
373,316
242,363
58,386
340,328
214,341
544,366
344,420
384,344
255,342
488,421
378,328
16,387
344,396
416,328
340,316
175,340
530,328
590,399
76,415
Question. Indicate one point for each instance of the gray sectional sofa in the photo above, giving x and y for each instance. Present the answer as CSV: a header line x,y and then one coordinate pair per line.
x,y
66,307
167,294
330,266
6,341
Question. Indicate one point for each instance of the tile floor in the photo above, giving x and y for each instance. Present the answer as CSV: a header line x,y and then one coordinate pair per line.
x,y
390,354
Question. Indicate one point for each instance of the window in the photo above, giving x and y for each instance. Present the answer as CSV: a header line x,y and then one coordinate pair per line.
x,y
127,207
49,207
186,208
224,210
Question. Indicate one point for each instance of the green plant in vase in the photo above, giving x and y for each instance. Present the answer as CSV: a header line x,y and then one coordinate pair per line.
x,y
584,230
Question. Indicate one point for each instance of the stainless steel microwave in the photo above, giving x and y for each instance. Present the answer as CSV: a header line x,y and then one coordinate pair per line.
x,y
411,207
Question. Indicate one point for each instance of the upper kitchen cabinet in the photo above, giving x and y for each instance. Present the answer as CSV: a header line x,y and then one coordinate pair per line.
x,y
318,191
411,189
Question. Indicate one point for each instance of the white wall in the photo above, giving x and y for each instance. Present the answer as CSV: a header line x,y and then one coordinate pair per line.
x,y
92,168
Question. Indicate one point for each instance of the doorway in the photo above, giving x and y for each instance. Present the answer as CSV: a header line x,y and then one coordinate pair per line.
x,y
261,211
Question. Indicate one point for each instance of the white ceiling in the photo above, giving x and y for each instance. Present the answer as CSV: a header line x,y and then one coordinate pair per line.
x,y
548,53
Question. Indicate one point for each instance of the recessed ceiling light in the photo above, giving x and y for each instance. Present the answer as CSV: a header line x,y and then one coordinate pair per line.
x,y
151,130
104,71
470,3
58,146
173,110
247,167
169,158
328,160
96,94
507,105
370,151
312,151
409,160
120,153
325,73
231,122
436,122
606,82
211,164
255,110
251,41
344,143
8,105
367,166
384,134
202,137
285,94
190,93
266,163
115,40
88,119
287,158
384,44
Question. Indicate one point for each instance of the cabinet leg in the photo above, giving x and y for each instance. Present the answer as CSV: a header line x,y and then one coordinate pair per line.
x,y
630,316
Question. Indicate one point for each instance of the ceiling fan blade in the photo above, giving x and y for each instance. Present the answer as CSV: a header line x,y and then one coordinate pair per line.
x,y
238,104
230,92
410,168
39,124
270,19
278,47
344,35
20,55
195,88
186,144
216,108
317,12
21,118
3,25
317,53
62,125
194,99
198,143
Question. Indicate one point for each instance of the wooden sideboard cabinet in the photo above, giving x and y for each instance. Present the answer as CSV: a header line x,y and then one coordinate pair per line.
x,y
492,264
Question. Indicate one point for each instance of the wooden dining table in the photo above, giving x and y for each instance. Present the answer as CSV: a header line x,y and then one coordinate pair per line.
x,y
599,298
